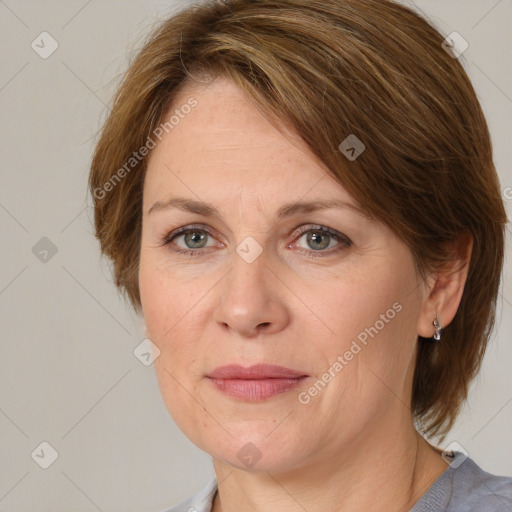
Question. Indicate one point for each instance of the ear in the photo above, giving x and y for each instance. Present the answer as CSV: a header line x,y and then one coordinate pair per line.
x,y
444,290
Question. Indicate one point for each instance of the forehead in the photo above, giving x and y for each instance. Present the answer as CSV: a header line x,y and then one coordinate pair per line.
x,y
225,146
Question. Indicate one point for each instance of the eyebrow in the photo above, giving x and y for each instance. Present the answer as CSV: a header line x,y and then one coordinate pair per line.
x,y
287,210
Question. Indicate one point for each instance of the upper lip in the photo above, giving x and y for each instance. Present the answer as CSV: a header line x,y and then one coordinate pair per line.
x,y
254,372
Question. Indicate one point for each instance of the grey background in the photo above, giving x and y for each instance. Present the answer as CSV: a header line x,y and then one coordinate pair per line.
x,y
68,375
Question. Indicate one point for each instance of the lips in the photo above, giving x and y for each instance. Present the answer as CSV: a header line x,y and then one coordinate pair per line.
x,y
255,372
255,383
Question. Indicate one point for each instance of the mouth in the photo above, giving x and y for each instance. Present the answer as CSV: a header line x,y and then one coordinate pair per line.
x,y
255,383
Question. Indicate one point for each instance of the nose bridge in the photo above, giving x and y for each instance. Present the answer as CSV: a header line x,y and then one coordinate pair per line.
x,y
247,279
249,301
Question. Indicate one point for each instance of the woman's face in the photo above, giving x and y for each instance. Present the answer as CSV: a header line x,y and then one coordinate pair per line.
x,y
328,296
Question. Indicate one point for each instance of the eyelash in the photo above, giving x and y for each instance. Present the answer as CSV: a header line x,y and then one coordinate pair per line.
x,y
344,241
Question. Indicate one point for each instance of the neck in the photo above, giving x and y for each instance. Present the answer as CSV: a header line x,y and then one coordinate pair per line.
x,y
390,471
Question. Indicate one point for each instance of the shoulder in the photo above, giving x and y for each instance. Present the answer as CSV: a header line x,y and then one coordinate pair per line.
x,y
466,487
199,502
479,490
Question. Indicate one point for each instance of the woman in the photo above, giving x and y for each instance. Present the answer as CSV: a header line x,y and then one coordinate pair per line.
x,y
300,199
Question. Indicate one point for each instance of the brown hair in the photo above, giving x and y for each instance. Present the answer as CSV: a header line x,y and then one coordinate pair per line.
x,y
331,68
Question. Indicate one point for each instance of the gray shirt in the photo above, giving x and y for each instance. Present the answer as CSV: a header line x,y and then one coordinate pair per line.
x,y
462,487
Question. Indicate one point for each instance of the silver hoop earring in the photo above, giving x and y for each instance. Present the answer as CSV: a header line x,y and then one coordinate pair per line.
x,y
438,329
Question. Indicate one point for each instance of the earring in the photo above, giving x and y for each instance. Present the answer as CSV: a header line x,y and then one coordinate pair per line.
x,y
438,329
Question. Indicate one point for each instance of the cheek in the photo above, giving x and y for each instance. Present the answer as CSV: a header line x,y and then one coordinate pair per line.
x,y
164,300
362,304
371,314
172,314
165,304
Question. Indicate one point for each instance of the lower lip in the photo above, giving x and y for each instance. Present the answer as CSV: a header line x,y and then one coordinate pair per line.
x,y
255,390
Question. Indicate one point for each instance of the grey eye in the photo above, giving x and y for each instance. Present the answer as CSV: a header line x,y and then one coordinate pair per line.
x,y
318,241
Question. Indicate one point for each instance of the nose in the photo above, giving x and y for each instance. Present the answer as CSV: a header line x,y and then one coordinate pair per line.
x,y
252,300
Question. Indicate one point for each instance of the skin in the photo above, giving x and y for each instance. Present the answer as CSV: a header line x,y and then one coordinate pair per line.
x,y
353,446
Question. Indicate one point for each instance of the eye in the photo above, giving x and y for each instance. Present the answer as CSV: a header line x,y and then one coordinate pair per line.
x,y
320,239
189,240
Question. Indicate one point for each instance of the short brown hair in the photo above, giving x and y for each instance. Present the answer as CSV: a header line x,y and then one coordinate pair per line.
x,y
330,68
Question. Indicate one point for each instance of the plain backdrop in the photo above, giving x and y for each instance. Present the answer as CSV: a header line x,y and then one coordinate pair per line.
x,y
68,374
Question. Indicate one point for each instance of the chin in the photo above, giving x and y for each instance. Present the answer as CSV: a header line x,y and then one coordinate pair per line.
x,y
255,451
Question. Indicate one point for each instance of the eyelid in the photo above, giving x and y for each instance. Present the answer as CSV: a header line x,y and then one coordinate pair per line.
x,y
185,229
305,228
